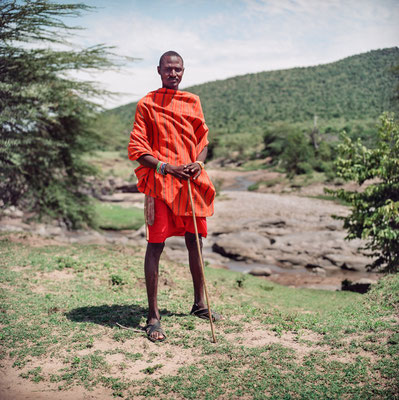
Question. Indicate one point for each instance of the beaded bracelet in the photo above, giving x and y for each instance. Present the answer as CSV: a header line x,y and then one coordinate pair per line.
x,y
161,168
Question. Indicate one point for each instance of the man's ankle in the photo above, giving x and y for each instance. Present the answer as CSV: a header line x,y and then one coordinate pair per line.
x,y
200,304
153,317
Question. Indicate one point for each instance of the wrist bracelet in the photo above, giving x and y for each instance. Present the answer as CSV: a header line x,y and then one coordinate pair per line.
x,y
161,168
201,164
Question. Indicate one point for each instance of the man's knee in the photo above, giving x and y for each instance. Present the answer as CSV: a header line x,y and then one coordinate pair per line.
x,y
155,248
191,241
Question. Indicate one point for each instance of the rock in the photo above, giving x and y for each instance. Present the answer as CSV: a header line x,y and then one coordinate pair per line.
x,y
361,286
112,198
176,255
315,269
319,271
13,212
331,269
242,245
272,221
218,266
260,271
116,182
348,261
131,188
292,260
176,243
334,226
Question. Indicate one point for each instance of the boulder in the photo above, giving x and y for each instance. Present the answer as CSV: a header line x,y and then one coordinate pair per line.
x,y
315,269
348,261
13,212
244,245
360,286
260,271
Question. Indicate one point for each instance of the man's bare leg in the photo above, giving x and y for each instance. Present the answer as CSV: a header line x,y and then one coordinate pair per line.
x,y
151,270
195,268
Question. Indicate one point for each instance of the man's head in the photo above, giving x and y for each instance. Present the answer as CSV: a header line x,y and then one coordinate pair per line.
x,y
171,69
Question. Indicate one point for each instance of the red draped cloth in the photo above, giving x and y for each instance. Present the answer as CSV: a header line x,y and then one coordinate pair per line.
x,y
170,126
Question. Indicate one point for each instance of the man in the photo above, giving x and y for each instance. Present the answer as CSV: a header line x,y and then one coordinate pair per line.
x,y
169,140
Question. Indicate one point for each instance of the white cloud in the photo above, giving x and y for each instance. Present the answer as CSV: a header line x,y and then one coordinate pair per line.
x,y
260,35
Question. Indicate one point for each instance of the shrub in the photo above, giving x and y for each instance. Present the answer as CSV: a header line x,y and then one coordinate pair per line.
x,y
375,210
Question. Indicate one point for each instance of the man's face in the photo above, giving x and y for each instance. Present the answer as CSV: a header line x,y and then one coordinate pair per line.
x,y
171,72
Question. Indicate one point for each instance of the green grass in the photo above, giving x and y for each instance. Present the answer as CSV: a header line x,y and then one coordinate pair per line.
x,y
330,198
60,305
110,216
269,183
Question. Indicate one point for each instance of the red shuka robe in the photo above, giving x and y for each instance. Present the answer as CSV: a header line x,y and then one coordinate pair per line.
x,y
170,126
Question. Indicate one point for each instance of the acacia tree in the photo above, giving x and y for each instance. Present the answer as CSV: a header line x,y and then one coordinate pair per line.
x,y
44,113
375,210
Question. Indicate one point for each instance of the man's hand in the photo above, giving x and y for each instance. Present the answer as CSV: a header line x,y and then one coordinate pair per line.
x,y
177,171
194,169
185,171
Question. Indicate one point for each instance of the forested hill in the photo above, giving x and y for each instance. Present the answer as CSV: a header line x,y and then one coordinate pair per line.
x,y
355,88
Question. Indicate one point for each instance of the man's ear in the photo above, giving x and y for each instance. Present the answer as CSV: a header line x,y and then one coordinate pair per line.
x,y
159,70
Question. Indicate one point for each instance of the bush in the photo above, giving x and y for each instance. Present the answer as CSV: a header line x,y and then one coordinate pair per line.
x,y
237,146
45,116
375,210
385,293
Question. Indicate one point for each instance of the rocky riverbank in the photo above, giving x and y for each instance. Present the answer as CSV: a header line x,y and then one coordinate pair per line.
x,y
287,237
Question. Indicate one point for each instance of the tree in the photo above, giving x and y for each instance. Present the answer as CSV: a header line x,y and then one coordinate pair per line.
x,y
44,113
375,210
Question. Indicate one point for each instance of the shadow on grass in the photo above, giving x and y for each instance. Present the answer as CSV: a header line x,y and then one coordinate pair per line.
x,y
108,315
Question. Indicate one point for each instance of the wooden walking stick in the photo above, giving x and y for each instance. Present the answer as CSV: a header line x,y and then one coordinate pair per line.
x,y
201,261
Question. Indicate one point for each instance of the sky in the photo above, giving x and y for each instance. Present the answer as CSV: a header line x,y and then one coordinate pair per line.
x,y
219,39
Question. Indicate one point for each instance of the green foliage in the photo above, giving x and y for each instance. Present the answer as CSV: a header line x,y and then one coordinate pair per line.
x,y
44,115
357,87
117,280
297,154
375,210
237,147
342,94
152,369
385,293
290,147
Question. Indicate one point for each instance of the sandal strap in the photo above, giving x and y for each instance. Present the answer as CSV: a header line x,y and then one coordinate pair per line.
x,y
204,313
150,329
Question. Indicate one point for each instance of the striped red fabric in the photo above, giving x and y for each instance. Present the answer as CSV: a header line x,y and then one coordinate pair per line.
x,y
170,126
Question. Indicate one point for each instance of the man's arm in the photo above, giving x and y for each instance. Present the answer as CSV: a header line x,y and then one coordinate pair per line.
x,y
180,171
177,171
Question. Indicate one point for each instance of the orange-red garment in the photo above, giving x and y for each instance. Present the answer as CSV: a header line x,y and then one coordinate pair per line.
x,y
166,224
170,126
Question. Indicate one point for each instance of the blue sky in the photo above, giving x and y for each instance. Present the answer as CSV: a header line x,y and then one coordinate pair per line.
x,y
224,38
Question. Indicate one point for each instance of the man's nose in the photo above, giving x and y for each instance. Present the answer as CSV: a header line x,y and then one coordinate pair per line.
x,y
173,72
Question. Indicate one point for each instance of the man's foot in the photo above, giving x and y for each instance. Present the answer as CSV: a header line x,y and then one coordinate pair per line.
x,y
154,332
204,313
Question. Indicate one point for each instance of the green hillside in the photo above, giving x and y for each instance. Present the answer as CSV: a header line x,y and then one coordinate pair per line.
x,y
355,88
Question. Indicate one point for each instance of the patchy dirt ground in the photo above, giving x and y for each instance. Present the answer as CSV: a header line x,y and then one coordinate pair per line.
x,y
172,354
